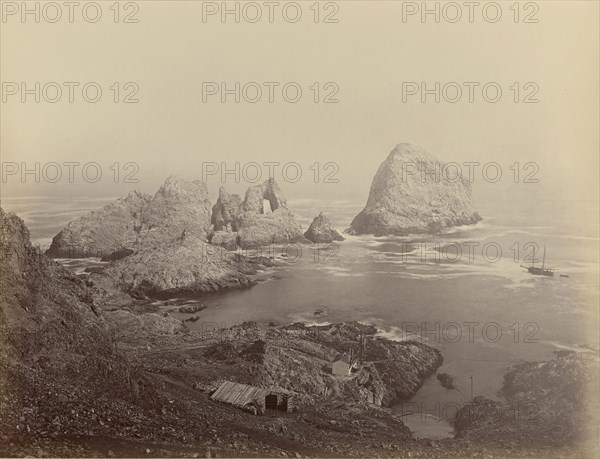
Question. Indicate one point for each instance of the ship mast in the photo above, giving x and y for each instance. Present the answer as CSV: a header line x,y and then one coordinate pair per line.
x,y
544,257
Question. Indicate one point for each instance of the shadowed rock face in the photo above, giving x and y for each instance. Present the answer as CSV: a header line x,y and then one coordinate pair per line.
x,y
261,219
224,210
320,230
406,199
121,225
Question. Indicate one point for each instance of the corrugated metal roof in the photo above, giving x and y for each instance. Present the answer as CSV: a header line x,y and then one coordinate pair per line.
x,y
238,394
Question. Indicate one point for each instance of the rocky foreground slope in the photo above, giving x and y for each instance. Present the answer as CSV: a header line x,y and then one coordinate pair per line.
x,y
85,372
406,199
60,370
298,358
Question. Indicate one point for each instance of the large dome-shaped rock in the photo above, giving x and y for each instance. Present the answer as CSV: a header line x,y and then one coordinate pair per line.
x,y
119,227
320,230
406,198
104,231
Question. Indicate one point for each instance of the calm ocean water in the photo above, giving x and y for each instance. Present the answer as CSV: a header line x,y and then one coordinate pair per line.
x,y
479,308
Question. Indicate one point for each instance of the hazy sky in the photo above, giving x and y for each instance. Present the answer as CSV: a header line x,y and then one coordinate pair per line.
x,y
368,54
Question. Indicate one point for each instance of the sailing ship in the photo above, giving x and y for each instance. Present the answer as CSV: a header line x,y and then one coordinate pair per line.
x,y
539,271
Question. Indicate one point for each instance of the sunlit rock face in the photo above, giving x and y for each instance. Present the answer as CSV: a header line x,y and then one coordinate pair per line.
x,y
406,198
122,225
262,218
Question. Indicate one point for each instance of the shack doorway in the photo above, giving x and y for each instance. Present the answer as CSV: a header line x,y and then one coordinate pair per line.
x,y
271,402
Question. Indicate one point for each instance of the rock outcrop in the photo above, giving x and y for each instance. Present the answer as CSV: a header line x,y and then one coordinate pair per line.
x,y
225,210
262,218
119,227
321,231
298,358
548,404
407,197
104,231
178,206
180,266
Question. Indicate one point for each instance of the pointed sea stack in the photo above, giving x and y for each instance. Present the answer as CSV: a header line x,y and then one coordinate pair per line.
x,y
320,230
406,198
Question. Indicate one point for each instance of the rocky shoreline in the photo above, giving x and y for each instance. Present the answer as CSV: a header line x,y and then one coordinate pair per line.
x,y
87,369
90,365
147,379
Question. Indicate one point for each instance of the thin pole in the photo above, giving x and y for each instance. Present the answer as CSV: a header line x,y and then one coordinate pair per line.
x,y
471,387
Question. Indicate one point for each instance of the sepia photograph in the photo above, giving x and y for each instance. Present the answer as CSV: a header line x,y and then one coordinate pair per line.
x,y
300,229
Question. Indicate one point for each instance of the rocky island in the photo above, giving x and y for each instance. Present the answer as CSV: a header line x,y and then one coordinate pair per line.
x,y
180,208
405,198
175,243
321,231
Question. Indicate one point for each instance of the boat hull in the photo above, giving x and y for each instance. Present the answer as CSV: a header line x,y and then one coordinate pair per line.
x,y
540,272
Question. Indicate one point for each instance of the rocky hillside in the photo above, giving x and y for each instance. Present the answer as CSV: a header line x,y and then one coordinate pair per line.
x,y
262,218
57,357
321,231
120,226
405,199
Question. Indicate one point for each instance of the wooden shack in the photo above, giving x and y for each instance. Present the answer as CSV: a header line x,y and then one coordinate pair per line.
x,y
253,399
